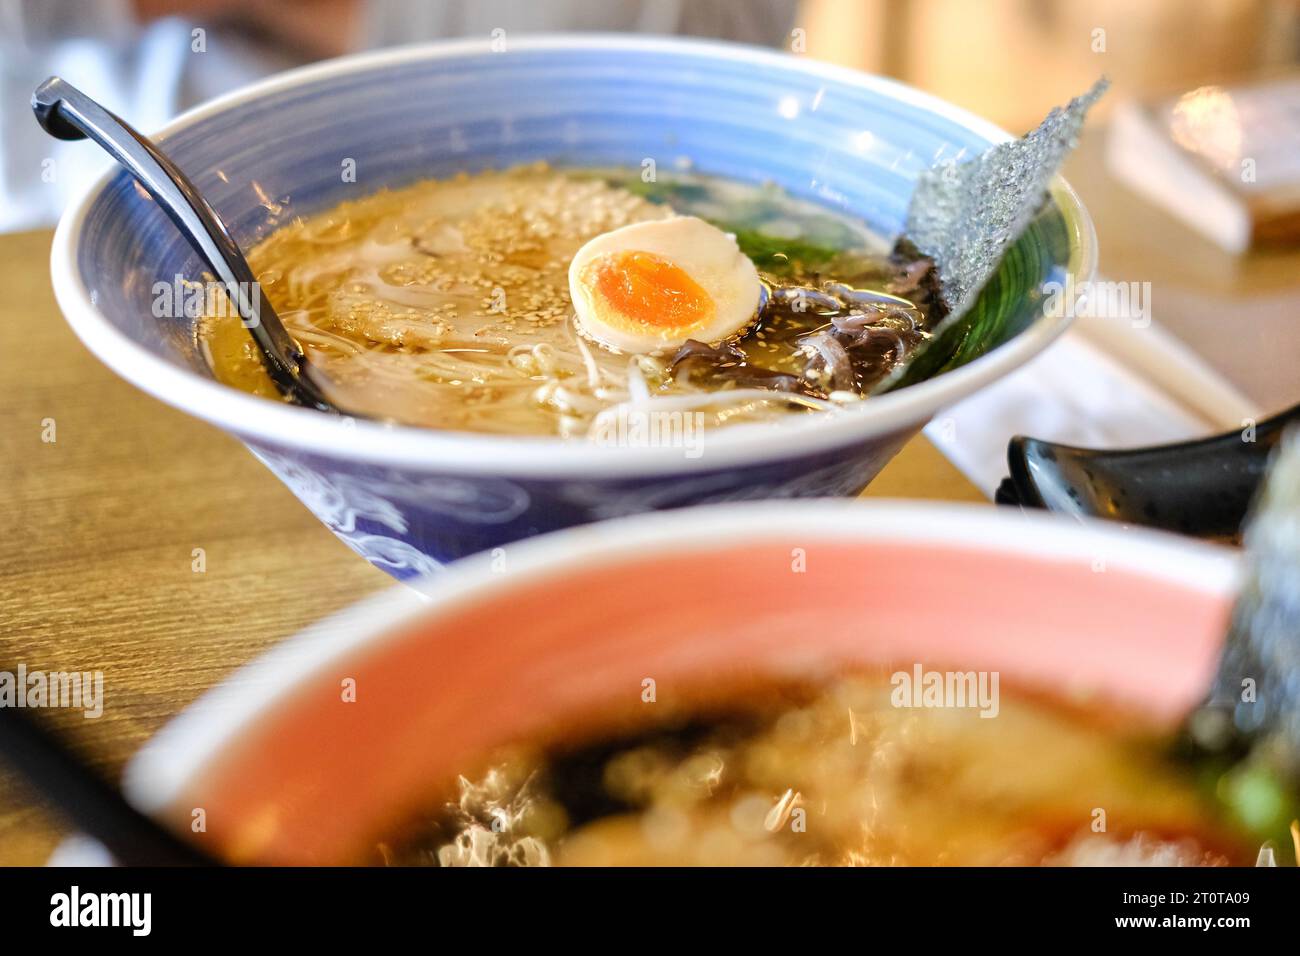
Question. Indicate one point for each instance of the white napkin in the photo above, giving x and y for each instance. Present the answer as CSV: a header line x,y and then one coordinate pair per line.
x,y
1106,383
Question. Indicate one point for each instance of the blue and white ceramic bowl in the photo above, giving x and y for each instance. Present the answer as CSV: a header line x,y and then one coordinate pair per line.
x,y
409,499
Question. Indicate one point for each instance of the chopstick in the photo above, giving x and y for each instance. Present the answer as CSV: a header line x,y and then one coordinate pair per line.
x,y
73,790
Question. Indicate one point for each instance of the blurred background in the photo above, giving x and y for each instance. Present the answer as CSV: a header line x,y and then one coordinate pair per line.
x,y
1190,168
1212,274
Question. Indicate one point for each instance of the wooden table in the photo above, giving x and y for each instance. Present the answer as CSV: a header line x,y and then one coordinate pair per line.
x,y
95,568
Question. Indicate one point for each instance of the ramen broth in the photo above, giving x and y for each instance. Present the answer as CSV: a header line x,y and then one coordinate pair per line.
x,y
446,304
833,774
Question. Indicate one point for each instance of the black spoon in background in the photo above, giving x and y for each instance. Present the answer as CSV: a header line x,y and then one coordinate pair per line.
x,y
66,113
1201,488
63,782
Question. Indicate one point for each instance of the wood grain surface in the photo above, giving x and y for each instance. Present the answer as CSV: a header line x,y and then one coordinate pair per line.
x,y
100,526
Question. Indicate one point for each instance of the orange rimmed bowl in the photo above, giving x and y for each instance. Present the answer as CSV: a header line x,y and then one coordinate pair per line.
x,y
315,751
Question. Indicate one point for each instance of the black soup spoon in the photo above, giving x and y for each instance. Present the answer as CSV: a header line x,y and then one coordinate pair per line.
x,y
1201,488
66,113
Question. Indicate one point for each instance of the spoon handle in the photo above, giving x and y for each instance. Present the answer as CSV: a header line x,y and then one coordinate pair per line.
x,y
66,113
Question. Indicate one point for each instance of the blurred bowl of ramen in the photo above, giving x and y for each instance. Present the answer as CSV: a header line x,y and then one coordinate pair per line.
x,y
317,752
409,498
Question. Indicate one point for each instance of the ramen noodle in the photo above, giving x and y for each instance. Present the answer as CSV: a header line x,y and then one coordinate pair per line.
x,y
450,304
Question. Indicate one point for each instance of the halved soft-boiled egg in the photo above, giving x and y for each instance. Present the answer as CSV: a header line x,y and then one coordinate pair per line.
x,y
650,286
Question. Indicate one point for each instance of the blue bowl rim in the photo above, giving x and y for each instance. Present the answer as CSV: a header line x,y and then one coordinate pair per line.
x,y
313,433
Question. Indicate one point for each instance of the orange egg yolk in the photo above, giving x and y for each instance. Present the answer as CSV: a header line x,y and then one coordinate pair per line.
x,y
651,290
